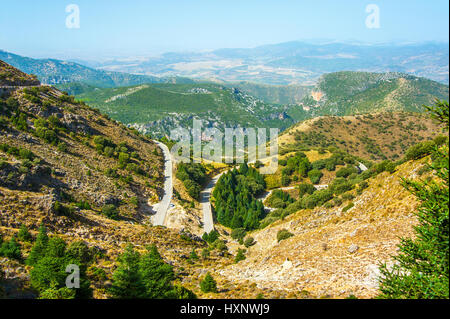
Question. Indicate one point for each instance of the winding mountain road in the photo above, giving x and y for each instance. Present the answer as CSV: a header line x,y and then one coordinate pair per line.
x,y
205,196
162,207
205,200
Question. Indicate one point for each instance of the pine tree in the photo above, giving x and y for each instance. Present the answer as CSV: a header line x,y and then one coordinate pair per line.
x,y
208,284
157,276
49,259
179,292
11,249
24,235
239,256
243,169
127,279
39,246
422,266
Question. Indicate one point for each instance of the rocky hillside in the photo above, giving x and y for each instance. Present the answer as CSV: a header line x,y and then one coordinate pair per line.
x,y
334,252
82,175
10,76
348,93
159,108
86,178
378,136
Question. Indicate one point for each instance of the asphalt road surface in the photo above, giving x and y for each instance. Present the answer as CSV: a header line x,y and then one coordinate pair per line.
x,y
205,195
162,207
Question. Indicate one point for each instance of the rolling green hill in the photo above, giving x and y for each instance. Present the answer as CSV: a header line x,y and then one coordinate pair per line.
x,y
348,93
158,108
278,94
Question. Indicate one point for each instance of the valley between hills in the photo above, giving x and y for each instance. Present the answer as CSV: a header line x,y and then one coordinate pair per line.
x,y
83,173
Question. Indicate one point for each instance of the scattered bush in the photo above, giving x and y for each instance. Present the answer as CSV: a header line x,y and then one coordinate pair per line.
x,y
346,208
249,241
283,234
239,256
315,176
110,211
420,150
305,188
211,237
208,284
238,233
24,235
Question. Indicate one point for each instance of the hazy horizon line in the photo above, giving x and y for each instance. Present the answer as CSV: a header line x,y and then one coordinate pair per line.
x,y
117,56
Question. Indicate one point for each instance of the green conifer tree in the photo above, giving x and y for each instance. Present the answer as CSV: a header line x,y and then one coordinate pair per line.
x,y
421,270
127,279
39,246
208,284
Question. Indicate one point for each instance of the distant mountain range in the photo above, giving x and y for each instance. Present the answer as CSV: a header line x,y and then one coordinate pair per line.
x,y
51,71
159,104
291,63
294,62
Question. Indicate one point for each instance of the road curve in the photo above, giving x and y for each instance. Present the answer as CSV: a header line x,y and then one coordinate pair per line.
x,y
162,207
205,196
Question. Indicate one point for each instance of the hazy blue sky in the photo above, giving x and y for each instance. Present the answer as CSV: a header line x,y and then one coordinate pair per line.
x,y
138,27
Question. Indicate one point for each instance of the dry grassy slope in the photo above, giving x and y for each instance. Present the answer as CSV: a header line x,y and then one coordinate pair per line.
x,y
316,261
391,133
10,76
274,180
73,165
21,204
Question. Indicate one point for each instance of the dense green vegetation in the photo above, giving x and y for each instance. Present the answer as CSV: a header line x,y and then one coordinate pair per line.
x,y
298,167
361,92
49,258
339,191
279,199
193,176
208,284
153,105
156,104
235,194
421,270
145,276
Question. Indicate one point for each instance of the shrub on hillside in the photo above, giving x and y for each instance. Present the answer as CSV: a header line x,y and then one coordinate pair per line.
x,y
315,176
11,249
208,284
249,241
419,150
421,269
211,237
110,211
238,233
283,234
239,256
